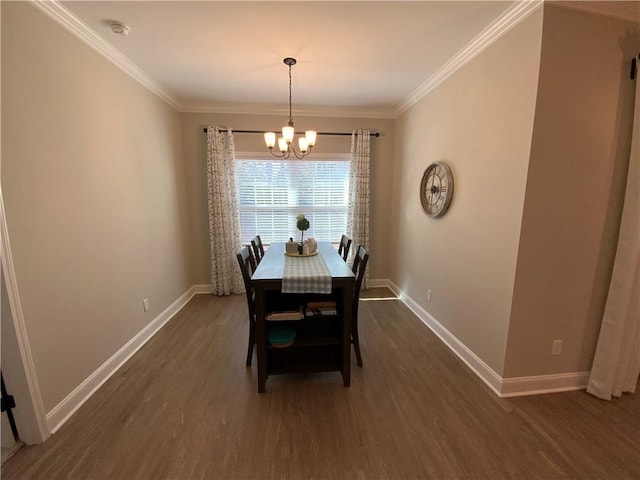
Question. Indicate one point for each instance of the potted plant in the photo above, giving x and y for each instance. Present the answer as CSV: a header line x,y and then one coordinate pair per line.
x,y
303,224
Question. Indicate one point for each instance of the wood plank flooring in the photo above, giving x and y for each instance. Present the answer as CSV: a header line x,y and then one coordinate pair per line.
x,y
186,407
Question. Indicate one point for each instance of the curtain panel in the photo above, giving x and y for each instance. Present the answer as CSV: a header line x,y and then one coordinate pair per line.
x,y
616,364
224,228
358,209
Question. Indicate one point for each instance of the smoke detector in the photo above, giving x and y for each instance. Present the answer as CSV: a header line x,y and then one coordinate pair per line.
x,y
120,29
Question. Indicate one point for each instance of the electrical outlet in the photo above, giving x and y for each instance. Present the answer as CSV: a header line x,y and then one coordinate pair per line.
x,y
428,294
556,347
145,304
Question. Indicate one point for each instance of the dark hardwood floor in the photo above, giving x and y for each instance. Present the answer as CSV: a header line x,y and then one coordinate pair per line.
x,y
186,407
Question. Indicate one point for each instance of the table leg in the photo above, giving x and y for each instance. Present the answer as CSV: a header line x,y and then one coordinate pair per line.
x,y
261,337
347,314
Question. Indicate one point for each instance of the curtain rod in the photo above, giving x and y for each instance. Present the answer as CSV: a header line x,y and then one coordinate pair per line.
x,y
373,134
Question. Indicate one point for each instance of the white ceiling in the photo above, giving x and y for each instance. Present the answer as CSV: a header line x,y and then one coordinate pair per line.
x,y
211,56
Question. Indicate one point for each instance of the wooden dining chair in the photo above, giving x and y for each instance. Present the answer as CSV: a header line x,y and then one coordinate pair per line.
x,y
345,245
258,249
247,267
358,267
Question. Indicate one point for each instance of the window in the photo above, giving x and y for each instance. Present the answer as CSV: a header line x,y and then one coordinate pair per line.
x,y
271,192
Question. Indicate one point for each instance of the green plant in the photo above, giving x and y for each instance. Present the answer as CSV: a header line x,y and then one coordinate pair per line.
x,y
303,224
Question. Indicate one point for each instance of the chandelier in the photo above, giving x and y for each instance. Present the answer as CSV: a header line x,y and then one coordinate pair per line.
x,y
285,142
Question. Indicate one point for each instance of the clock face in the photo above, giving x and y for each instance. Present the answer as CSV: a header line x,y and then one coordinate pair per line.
x,y
436,189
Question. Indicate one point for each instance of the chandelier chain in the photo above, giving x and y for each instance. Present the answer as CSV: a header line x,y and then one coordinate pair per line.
x,y
290,115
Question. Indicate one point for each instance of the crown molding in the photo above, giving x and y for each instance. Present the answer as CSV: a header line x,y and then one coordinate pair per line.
x,y
279,109
82,31
78,28
511,17
505,22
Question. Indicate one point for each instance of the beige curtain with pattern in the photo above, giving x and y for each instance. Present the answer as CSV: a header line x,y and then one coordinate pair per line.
x,y
358,210
224,215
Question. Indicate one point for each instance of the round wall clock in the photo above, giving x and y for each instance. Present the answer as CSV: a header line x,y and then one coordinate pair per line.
x,y
436,189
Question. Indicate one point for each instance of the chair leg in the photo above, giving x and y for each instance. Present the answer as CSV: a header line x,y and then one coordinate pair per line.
x,y
356,343
252,341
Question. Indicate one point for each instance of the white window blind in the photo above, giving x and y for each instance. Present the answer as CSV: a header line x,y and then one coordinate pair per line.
x,y
271,193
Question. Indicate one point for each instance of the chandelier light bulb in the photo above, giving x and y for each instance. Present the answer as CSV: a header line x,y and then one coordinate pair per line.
x,y
304,145
270,139
310,136
287,133
283,145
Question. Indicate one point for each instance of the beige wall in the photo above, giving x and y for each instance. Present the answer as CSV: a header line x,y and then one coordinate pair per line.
x,y
94,190
195,148
579,154
480,122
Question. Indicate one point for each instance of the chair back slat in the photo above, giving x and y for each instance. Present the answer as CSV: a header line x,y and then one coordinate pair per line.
x,y
345,245
358,267
258,249
247,267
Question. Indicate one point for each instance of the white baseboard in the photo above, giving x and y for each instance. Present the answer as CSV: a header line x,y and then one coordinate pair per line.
x,y
385,282
203,288
378,282
503,387
535,385
67,407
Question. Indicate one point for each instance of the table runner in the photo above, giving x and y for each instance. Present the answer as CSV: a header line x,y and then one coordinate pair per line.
x,y
306,275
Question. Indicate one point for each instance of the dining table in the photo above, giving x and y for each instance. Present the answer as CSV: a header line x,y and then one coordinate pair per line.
x,y
286,281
